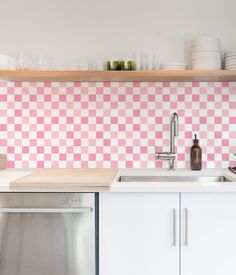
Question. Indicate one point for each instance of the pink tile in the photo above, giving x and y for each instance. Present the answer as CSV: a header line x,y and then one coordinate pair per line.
x,y
158,135
106,142
195,127
3,127
203,120
232,120
122,127
211,142
225,142
166,98
136,113
195,98
218,134
210,98
188,120
137,125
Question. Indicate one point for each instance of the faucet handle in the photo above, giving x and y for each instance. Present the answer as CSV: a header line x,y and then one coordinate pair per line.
x,y
164,156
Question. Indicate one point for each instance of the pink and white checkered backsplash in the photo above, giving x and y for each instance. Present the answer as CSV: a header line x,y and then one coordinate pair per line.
x,y
114,124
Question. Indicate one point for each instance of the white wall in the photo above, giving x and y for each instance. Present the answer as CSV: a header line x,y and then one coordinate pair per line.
x,y
67,29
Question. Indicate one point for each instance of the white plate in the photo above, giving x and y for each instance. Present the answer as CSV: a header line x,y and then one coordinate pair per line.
x,y
173,69
230,56
230,52
181,67
230,69
230,59
177,64
230,63
170,65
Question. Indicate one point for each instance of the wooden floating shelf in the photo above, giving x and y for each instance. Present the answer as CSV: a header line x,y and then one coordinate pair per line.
x,y
118,76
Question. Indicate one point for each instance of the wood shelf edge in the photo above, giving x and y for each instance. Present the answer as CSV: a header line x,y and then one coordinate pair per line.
x,y
118,76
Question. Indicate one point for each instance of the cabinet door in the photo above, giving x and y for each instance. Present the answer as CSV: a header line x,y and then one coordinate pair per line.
x,y
209,234
139,234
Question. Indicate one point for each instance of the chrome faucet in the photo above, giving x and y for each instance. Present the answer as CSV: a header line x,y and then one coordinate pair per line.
x,y
174,132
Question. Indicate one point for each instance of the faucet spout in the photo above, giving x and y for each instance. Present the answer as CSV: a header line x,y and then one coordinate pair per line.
x,y
174,132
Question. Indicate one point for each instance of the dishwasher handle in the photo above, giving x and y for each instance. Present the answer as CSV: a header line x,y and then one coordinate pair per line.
x,y
46,210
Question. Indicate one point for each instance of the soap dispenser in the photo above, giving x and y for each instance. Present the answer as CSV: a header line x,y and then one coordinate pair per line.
x,y
196,155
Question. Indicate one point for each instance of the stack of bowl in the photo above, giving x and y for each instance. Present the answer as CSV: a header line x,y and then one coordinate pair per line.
x,y
230,60
206,53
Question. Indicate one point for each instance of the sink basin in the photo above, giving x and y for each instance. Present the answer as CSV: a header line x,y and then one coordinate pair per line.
x,y
173,179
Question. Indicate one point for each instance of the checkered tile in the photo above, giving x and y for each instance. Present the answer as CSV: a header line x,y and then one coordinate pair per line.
x,y
114,124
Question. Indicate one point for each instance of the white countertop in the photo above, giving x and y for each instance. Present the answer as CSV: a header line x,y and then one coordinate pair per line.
x,y
8,175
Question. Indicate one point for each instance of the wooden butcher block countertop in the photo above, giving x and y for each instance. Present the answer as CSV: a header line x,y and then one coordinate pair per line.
x,y
67,179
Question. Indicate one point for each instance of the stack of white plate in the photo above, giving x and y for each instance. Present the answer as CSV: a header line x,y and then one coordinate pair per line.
x,y
174,66
230,60
206,53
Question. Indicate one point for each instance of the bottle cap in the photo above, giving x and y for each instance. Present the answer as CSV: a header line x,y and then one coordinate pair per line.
x,y
195,141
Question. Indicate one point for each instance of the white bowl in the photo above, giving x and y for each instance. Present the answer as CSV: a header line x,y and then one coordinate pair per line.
x,y
206,63
207,42
206,67
13,64
198,49
207,55
4,62
205,39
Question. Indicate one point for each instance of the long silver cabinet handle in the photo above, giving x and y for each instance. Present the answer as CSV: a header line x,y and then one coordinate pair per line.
x,y
186,226
46,210
174,227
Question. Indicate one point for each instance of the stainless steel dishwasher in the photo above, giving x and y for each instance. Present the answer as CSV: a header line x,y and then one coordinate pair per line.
x,y
48,233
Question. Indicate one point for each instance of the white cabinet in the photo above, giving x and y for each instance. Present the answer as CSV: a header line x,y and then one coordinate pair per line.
x,y
145,233
210,247
139,233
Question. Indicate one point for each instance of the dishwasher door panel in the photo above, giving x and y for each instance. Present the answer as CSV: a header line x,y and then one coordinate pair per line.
x,y
39,243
